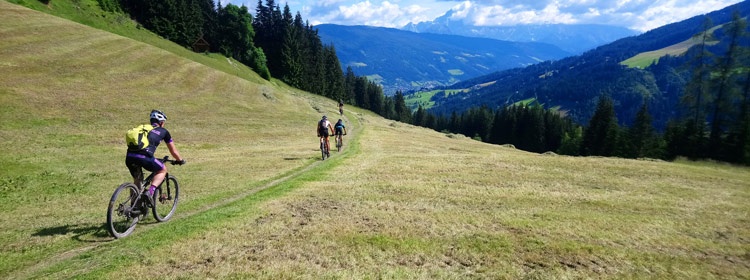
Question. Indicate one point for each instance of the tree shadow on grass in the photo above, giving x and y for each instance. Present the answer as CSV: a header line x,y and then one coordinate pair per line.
x,y
83,233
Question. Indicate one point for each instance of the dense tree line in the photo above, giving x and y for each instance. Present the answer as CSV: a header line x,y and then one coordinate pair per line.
x,y
716,119
274,44
714,115
227,29
713,122
295,52
575,83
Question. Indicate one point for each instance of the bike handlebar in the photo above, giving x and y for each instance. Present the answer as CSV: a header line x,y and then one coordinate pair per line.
x,y
171,161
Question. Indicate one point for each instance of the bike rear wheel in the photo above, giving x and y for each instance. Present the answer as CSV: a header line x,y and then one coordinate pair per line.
x,y
165,199
338,143
323,150
122,213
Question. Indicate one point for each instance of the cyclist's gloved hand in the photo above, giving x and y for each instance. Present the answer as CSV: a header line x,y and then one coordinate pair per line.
x,y
180,162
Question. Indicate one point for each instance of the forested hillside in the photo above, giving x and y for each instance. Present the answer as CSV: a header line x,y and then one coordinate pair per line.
x,y
575,83
693,104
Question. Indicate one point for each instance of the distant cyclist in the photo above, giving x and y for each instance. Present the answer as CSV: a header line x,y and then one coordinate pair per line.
x,y
135,160
341,107
324,127
339,129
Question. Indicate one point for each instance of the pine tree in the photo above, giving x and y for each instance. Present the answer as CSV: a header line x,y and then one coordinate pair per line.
x,y
403,114
349,81
600,137
375,94
571,142
641,137
723,88
697,96
739,136
335,77
530,129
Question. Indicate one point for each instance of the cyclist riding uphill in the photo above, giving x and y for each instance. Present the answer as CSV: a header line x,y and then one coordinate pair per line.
x,y
339,128
141,155
324,126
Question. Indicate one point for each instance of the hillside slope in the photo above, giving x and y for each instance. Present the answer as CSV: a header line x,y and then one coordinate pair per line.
x,y
399,202
575,83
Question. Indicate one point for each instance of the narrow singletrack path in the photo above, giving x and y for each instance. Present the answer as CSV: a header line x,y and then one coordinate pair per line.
x,y
32,271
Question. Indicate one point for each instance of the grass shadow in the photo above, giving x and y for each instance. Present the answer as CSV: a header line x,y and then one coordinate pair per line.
x,y
84,233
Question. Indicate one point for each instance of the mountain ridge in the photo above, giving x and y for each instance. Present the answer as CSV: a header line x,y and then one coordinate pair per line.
x,y
574,38
405,60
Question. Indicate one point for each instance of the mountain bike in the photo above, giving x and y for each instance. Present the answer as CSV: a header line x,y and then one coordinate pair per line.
x,y
339,142
324,149
130,203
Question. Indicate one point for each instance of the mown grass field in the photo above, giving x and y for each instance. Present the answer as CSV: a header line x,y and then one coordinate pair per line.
x,y
424,98
645,59
400,202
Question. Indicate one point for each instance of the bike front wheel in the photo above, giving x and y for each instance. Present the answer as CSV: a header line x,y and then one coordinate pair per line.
x,y
165,199
122,213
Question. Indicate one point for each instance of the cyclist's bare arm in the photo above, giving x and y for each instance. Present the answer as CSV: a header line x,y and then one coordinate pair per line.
x,y
173,151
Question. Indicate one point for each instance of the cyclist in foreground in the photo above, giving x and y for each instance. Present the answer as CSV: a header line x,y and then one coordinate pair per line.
x,y
144,158
324,126
340,129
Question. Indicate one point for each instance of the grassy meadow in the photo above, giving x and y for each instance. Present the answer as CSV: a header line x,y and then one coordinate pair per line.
x,y
645,59
399,202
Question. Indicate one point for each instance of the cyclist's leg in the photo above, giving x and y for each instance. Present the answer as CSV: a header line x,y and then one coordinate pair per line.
x,y
136,171
158,169
134,166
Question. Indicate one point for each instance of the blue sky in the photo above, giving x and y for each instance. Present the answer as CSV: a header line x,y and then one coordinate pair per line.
x,y
640,15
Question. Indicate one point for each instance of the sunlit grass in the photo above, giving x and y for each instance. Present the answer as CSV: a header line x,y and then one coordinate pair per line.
x,y
400,202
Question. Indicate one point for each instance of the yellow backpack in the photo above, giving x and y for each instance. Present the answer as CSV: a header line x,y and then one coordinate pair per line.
x,y
137,137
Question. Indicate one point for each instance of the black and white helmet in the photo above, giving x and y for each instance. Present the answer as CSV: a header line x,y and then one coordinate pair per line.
x,y
158,115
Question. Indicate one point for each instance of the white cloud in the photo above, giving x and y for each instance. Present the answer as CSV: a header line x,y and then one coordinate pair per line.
x,y
385,14
637,14
501,15
673,11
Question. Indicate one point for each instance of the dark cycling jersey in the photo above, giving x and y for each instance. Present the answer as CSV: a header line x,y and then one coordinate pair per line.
x,y
339,128
155,137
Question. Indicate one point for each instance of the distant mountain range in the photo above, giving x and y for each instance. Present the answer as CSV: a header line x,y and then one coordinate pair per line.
x,y
574,84
573,38
404,60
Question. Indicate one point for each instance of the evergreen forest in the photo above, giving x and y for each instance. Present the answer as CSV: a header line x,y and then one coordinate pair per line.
x,y
701,98
711,121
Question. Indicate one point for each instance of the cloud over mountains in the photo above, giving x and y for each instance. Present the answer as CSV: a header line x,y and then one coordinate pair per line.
x,y
641,15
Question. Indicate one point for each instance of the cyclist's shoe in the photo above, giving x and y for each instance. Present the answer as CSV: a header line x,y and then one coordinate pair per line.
x,y
149,199
163,197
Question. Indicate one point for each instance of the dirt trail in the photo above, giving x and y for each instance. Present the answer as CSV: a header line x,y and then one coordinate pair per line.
x,y
32,271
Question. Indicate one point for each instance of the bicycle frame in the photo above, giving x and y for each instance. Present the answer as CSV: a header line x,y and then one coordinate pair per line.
x,y
123,214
